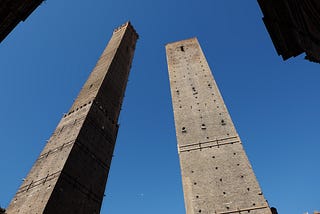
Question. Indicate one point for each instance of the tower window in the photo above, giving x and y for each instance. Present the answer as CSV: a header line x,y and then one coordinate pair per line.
x,y
182,48
203,126
183,129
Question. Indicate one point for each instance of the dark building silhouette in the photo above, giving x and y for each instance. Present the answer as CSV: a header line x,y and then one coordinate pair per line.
x,y
70,174
294,26
14,11
274,210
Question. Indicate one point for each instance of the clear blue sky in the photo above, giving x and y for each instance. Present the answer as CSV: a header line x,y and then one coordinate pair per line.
x,y
275,105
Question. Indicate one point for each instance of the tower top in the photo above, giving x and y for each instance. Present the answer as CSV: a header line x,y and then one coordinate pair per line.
x,y
126,25
182,41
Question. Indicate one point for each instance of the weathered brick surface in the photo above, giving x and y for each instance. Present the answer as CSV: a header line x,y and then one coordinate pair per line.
x,y
71,172
217,176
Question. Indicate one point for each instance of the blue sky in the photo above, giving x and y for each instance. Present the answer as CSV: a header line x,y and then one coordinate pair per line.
x,y
274,104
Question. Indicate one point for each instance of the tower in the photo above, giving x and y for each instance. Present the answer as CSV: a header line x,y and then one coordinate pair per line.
x,y
14,11
216,174
70,174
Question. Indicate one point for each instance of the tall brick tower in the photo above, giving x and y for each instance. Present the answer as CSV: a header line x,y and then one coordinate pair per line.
x,y
216,174
71,172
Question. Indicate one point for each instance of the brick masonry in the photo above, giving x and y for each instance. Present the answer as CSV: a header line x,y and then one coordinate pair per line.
x,y
70,174
216,174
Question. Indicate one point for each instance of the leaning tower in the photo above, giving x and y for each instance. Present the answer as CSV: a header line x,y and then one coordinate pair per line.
x,y
216,174
70,174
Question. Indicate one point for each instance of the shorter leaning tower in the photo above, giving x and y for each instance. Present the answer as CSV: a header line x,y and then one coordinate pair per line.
x,y
216,174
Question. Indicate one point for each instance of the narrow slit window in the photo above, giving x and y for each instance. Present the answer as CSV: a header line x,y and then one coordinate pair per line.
x,y
203,126
223,122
